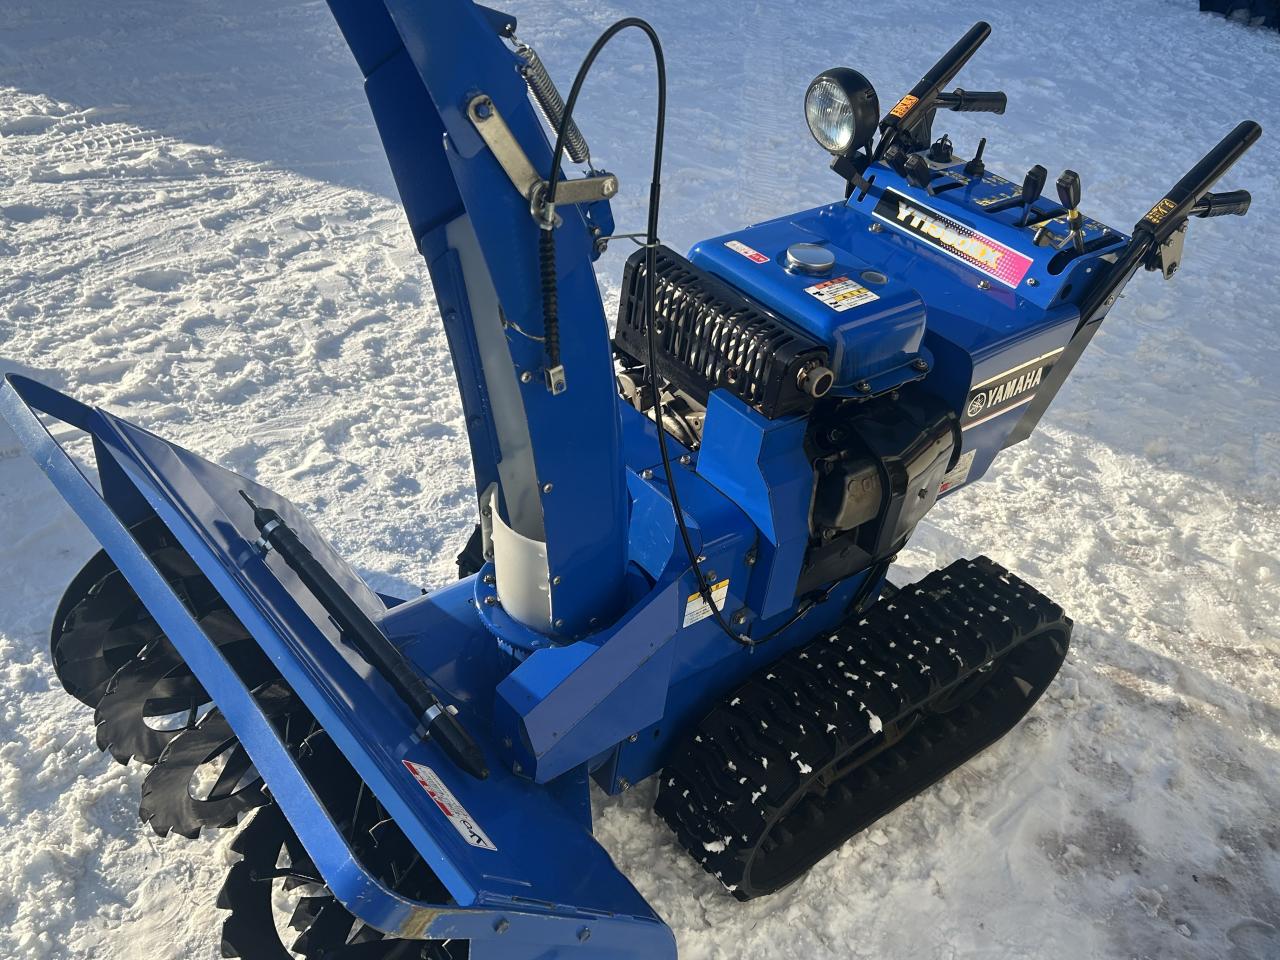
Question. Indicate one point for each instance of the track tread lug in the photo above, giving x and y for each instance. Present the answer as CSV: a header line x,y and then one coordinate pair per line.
x,y
919,646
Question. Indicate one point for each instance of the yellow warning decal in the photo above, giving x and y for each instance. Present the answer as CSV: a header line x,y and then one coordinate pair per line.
x,y
695,608
903,106
1160,211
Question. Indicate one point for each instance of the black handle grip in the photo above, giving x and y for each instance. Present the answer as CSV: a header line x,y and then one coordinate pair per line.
x,y
973,101
1167,215
923,95
1228,204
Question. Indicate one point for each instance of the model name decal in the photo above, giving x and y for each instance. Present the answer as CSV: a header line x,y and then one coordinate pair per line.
x,y
952,237
1007,390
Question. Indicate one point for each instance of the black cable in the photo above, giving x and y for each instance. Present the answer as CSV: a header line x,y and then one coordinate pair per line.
x,y
551,321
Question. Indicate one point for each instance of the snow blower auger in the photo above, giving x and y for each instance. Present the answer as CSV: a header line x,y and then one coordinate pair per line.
x,y
685,529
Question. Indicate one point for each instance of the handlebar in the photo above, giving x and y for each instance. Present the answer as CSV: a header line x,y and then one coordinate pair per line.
x,y
1180,202
973,101
1232,203
923,97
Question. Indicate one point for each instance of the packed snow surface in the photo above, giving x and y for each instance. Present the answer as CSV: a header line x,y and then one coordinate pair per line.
x,y
198,230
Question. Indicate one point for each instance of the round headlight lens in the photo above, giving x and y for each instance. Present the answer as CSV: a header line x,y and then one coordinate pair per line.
x,y
830,115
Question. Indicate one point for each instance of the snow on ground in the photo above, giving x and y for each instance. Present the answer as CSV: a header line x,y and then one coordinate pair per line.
x,y
197,229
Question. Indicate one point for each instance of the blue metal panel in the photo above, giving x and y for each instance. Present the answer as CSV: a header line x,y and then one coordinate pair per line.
x,y
760,465
407,120
874,341
199,502
564,705
576,435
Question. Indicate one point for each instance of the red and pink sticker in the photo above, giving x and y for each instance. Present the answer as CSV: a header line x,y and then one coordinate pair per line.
x,y
953,238
755,256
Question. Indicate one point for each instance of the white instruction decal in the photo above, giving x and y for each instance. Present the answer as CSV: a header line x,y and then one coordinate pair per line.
x,y
755,256
957,474
454,811
841,294
695,608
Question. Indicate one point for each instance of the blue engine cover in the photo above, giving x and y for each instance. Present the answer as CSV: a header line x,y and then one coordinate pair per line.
x,y
873,323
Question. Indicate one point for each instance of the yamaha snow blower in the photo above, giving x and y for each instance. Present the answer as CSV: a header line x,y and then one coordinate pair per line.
x,y
685,528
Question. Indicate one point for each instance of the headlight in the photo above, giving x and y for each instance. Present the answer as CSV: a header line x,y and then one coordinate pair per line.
x,y
842,110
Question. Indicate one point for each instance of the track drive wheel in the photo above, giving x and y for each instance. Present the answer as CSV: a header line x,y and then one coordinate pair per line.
x,y
829,738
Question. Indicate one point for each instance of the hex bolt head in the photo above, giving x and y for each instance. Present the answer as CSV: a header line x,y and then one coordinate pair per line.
x,y
984,284
646,474
489,578
484,109
686,459
1032,282
633,738
502,925
559,624
862,386
555,581
740,618
920,364
624,784
491,601
546,487
875,228
526,377
750,559
584,934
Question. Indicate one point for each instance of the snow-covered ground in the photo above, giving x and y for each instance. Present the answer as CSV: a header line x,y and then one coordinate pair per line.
x,y
198,230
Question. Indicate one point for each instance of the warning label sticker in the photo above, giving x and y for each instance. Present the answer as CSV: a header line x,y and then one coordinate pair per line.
x,y
695,608
841,294
903,106
454,811
957,474
755,256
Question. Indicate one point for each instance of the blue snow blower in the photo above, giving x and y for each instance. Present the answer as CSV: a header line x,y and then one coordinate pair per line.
x,y
684,528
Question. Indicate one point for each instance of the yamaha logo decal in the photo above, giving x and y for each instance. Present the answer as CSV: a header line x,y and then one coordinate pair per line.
x,y
1003,392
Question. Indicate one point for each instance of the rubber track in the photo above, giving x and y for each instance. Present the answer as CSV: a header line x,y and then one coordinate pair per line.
x,y
741,782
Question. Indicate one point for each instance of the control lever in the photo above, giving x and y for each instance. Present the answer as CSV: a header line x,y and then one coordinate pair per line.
x,y
1069,197
1032,187
975,168
918,172
941,151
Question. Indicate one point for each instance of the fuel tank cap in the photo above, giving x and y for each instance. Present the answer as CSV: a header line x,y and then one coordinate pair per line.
x,y
810,258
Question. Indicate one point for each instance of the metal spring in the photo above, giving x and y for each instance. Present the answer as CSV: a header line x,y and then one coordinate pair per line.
x,y
550,296
550,102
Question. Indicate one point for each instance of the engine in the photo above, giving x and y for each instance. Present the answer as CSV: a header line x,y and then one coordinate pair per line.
x,y
812,342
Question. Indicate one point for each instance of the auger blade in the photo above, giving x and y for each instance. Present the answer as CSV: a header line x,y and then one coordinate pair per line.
x,y
121,713
168,802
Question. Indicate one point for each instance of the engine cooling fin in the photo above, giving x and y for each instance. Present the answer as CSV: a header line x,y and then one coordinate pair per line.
x,y
830,738
710,335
